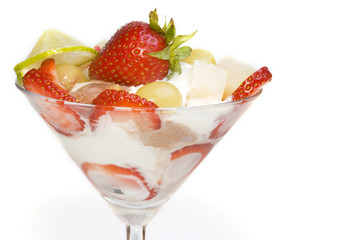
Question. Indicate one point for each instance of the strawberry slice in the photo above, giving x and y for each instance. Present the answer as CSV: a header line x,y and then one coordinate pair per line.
x,y
142,111
185,160
247,88
44,82
252,84
63,119
124,183
48,69
199,149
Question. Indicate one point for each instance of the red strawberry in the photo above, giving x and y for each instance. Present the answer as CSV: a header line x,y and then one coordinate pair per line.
x,y
43,82
48,69
124,183
186,159
252,84
63,119
142,111
139,53
202,149
125,59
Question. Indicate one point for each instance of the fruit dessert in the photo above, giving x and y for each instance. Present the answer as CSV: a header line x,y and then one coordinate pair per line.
x,y
130,111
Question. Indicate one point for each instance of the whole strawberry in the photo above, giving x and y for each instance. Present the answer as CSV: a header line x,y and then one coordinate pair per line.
x,y
139,53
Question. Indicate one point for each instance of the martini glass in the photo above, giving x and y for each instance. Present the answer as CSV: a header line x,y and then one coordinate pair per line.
x,y
134,163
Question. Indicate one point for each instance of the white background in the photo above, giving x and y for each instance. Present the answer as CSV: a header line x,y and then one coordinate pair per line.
x,y
290,169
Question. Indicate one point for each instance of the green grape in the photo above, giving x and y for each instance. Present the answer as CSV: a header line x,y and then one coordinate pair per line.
x,y
164,94
69,75
200,55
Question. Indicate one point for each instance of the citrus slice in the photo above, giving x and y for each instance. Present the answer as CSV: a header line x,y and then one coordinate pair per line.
x,y
200,55
61,47
237,72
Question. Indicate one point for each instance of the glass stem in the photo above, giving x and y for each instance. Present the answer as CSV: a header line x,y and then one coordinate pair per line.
x,y
135,232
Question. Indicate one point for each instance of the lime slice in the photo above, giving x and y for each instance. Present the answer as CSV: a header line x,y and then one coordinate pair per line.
x,y
61,47
34,62
200,55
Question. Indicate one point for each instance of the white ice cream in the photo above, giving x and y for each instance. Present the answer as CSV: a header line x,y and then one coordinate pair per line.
x,y
111,144
124,145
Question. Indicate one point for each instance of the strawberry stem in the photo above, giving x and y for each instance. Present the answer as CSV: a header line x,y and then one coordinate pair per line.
x,y
172,52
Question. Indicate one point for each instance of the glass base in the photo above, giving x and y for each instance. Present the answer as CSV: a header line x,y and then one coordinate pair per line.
x,y
134,216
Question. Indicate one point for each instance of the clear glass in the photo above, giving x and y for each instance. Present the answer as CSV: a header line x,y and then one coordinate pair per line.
x,y
136,158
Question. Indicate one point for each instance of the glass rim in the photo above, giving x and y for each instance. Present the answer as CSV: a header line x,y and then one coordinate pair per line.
x,y
182,108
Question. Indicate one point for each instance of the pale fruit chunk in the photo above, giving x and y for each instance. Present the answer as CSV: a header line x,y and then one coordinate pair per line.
x,y
207,84
237,72
87,91
69,75
200,55
164,94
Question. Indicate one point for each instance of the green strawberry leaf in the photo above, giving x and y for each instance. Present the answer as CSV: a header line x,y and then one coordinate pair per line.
x,y
153,22
163,54
182,53
170,32
179,40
